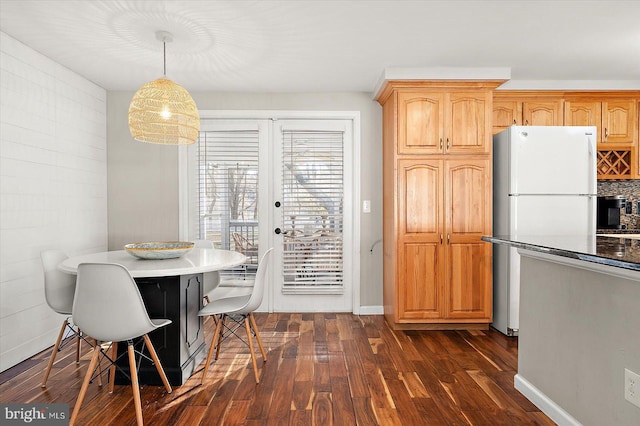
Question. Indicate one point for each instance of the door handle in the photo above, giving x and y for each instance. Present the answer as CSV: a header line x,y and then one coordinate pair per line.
x,y
278,231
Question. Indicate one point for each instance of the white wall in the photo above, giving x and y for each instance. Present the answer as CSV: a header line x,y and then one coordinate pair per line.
x,y
53,187
143,178
579,330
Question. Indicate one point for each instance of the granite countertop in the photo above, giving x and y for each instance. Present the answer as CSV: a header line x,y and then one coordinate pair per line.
x,y
619,252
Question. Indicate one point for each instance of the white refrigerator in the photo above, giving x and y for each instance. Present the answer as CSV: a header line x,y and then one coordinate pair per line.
x,y
544,183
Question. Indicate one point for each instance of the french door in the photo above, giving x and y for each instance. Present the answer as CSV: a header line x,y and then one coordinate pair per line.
x,y
311,215
260,183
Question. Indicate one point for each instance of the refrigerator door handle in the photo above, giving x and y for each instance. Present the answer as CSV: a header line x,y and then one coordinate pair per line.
x,y
592,165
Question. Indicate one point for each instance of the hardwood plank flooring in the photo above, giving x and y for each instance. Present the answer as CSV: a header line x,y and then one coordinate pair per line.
x,y
321,369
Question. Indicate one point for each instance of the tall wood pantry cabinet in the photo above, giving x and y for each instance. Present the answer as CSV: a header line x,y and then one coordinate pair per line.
x,y
437,203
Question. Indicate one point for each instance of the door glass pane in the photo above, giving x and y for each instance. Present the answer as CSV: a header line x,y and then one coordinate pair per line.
x,y
228,194
312,189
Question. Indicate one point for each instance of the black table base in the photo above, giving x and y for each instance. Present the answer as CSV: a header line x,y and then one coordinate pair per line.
x,y
180,345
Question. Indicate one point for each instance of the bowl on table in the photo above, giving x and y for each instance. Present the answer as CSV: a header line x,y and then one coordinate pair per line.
x,y
159,250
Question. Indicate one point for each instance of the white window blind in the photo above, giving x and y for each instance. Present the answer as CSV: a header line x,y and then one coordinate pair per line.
x,y
312,179
228,191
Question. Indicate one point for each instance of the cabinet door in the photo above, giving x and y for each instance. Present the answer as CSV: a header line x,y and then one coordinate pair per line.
x,y
548,113
468,286
420,122
467,123
584,114
420,231
619,122
506,114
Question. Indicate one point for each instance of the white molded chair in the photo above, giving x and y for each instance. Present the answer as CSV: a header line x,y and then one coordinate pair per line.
x,y
239,309
108,306
59,289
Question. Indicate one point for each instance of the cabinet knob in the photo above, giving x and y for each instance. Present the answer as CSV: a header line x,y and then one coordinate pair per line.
x,y
448,144
606,133
526,122
440,144
440,238
448,238
514,121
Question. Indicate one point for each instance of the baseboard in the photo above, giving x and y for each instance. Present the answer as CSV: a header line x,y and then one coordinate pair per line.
x,y
371,310
544,403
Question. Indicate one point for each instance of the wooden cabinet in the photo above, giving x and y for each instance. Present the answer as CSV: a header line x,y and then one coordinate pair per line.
x,y
468,199
444,266
615,119
542,113
509,112
443,123
506,113
445,269
437,205
614,113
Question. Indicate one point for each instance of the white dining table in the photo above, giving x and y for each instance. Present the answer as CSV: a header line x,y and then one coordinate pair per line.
x,y
196,261
172,289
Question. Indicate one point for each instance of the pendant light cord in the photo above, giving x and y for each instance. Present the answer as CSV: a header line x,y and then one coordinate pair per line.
x,y
164,55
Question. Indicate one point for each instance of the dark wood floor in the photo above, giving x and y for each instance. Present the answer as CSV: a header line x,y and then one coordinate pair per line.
x,y
322,369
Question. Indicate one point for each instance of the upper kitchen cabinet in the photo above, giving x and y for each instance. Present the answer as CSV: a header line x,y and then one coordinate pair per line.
x,y
619,122
506,113
616,119
510,111
614,113
443,120
542,113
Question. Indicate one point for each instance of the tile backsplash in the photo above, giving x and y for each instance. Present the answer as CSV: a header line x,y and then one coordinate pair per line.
x,y
630,189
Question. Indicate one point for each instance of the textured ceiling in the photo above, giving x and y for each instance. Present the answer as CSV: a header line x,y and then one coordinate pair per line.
x,y
319,46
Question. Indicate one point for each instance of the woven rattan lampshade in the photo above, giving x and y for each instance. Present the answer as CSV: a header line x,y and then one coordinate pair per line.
x,y
163,112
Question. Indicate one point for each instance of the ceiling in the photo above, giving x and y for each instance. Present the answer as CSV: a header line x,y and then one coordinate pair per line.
x,y
326,46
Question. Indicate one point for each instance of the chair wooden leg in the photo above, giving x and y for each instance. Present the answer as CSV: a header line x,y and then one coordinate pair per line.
x,y
85,385
156,360
222,319
78,338
211,348
134,384
247,327
255,330
54,351
112,369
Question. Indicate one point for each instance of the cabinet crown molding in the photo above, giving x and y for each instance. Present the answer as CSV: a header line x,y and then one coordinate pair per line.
x,y
434,85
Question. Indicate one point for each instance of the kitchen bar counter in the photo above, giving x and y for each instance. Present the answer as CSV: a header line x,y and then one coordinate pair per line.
x,y
579,299
619,252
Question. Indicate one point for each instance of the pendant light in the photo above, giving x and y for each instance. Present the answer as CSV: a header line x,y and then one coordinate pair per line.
x,y
162,111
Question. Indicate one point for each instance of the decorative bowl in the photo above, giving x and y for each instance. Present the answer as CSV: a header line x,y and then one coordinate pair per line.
x,y
159,250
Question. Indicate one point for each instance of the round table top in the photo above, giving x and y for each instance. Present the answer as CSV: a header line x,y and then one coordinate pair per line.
x,y
196,261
